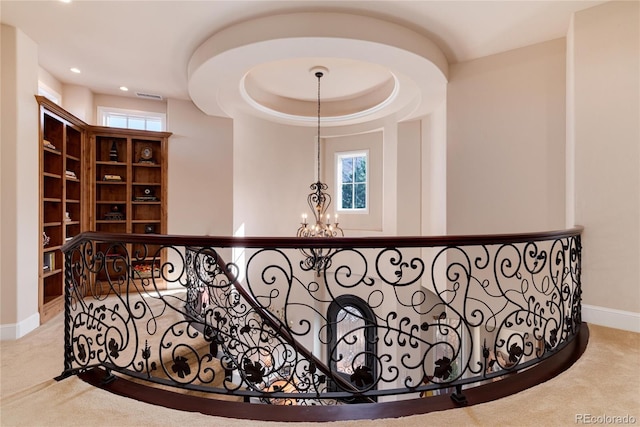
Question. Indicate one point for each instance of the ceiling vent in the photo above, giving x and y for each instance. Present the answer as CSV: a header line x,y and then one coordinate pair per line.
x,y
149,96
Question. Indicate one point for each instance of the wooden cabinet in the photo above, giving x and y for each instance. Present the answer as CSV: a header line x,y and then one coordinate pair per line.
x,y
129,192
63,199
96,178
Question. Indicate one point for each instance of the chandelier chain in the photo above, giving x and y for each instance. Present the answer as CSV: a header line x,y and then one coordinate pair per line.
x,y
318,75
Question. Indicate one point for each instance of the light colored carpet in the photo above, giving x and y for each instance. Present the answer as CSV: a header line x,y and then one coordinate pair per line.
x,y
604,382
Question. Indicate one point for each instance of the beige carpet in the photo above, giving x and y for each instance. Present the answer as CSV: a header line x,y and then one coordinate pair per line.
x,y
604,382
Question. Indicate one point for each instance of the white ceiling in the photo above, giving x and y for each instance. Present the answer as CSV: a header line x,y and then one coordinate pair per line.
x,y
175,49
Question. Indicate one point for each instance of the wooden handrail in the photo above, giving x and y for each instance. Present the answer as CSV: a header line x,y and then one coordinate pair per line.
x,y
313,242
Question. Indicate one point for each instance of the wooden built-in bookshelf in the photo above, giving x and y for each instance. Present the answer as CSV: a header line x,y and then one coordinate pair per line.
x,y
96,178
63,202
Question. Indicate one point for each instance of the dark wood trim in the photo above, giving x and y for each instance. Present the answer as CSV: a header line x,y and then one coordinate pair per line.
x,y
512,384
332,242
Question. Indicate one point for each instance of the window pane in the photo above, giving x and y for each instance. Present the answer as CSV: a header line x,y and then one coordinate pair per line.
x,y
136,123
361,169
351,341
154,124
360,196
352,170
347,169
347,196
117,121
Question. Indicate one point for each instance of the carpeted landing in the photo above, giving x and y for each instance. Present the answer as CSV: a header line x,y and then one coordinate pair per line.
x,y
603,383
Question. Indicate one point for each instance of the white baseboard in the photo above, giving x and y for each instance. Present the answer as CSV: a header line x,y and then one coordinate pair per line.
x,y
610,317
14,331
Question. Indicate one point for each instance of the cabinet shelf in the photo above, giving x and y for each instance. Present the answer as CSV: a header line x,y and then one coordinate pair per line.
x,y
51,273
52,175
146,165
52,199
52,224
111,202
70,157
103,162
52,299
52,151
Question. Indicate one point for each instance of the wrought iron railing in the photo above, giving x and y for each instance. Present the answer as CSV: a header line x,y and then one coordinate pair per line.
x,y
383,319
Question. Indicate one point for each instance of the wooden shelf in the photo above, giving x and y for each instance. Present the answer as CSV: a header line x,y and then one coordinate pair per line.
x,y
146,165
52,151
136,177
60,196
102,162
46,273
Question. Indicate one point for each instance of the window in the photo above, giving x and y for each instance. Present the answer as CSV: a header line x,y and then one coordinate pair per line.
x,y
49,93
352,341
131,119
352,181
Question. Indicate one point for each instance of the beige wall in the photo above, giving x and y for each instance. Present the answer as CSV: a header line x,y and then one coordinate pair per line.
x,y
78,100
606,138
19,230
506,142
200,188
409,193
272,170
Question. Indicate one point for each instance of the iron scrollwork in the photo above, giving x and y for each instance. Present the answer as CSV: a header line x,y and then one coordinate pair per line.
x,y
256,327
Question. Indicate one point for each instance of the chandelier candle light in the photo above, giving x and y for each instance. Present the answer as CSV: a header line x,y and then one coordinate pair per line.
x,y
318,259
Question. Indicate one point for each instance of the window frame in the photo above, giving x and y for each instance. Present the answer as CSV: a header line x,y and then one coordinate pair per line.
x,y
105,112
339,156
49,93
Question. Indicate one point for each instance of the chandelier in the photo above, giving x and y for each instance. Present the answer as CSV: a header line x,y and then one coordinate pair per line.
x,y
320,224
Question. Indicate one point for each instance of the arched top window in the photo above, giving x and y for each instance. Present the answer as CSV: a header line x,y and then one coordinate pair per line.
x,y
352,341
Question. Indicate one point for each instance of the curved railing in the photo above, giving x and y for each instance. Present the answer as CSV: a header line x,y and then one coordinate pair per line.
x,y
347,320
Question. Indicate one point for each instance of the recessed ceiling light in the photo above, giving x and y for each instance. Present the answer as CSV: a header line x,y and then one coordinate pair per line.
x,y
75,70
65,1
124,88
